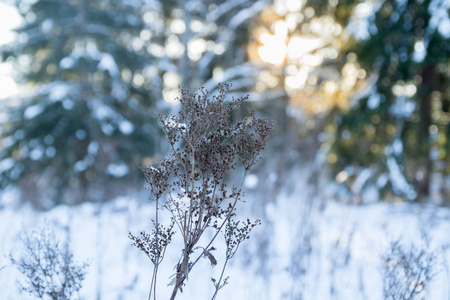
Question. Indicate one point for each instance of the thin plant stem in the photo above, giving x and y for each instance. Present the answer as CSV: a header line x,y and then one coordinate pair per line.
x,y
220,279
206,145
212,239
151,284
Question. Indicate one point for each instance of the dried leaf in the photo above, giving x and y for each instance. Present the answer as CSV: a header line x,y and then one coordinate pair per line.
x,y
211,258
173,281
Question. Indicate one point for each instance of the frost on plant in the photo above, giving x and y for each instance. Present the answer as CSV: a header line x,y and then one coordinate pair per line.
x,y
407,271
48,267
204,147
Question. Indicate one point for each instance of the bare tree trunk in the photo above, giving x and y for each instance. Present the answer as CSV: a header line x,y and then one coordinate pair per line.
x,y
423,183
186,36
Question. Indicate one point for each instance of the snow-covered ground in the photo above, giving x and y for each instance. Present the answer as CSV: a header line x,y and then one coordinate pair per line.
x,y
307,248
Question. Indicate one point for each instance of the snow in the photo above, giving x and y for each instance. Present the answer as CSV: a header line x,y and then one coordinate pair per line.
x,y
420,51
359,24
93,147
223,9
382,180
397,147
10,19
360,181
132,20
79,166
440,19
251,181
3,117
47,26
309,246
107,63
126,127
374,101
6,164
68,104
118,169
227,33
102,112
58,91
80,134
17,170
173,124
8,141
346,134
66,63
110,119
32,111
370,195
403,107
399,183
50,152
119,91
37,153
48,139
246,14
107,128
232,73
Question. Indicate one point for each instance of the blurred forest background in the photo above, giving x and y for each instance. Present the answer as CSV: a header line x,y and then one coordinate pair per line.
x,y
361,87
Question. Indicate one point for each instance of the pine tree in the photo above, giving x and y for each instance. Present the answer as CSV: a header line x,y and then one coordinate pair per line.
x,y
399,130
205,43
88,115
373,74
303,47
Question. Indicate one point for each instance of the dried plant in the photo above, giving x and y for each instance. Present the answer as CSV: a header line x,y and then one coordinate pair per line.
x,y
407,272
48,267
204,147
